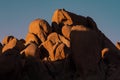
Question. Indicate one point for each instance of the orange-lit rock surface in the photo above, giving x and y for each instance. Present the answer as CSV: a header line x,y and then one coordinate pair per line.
x,y
118,45
71,48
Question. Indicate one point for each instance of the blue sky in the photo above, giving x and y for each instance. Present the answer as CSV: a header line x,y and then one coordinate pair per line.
x,y
15,15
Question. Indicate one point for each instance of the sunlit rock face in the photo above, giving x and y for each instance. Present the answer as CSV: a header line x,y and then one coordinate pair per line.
x,y
41,28
71,48
118,45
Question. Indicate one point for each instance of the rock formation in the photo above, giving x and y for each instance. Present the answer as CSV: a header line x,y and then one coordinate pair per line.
x,y
72,48
118,45
1,48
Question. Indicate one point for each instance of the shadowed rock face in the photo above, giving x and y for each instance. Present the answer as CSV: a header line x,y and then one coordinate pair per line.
x,y
72,48
1,48
86,59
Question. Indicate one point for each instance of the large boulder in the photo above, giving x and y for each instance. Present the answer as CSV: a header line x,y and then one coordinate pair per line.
x,y
86,53
41,28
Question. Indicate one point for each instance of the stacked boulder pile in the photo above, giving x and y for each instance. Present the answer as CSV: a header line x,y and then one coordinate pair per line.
x,y
71,48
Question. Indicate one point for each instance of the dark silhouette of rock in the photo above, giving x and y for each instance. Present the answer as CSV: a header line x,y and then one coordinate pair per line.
x,y
86,53
10,65
1,48
34,69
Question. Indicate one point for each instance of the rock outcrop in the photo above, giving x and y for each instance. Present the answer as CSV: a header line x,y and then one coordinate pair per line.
x,y
72,48
118,45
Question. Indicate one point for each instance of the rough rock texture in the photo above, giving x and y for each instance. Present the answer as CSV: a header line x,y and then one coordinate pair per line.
x,y
11,44
54,46
7,39
72,48
41,28
14,43
118,45
31,50
30,37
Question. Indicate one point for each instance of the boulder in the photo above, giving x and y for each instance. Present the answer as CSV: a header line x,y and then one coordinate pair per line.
x,y
41,28
31,50
30,37
7,39
12,43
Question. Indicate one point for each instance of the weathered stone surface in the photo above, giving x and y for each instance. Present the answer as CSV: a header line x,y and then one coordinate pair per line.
x,y
7,39
65,41
41,28
31,50
55,46
66,31
62,17
118,45
30,37
12,43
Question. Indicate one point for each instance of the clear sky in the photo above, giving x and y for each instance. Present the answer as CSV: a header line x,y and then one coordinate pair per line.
x,y
15,15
